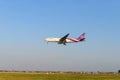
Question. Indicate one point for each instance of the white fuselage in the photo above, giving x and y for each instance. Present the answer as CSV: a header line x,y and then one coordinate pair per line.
x,y
57,40
63,40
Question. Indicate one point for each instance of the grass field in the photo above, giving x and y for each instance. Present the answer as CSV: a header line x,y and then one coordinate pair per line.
x,y
64,76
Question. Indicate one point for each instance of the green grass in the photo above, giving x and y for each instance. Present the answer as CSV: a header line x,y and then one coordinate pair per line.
x,y
36,76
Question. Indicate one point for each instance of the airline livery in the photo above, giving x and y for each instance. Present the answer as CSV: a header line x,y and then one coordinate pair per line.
x,y
65,40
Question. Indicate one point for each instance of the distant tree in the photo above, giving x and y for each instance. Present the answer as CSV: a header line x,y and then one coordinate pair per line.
x,y
119,71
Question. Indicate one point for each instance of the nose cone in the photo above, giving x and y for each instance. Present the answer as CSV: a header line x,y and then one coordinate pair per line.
x,y
47,39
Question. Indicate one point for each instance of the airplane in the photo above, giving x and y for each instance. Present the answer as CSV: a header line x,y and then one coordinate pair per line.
x,y
65,40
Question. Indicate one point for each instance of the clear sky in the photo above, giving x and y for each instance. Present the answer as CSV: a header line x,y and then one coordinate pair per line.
x,y
24,24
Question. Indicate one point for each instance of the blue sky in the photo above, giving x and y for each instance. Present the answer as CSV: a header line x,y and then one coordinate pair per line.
x,y
24,24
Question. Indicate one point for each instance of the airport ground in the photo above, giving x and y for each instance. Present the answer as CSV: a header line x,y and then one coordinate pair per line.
x,y
57,76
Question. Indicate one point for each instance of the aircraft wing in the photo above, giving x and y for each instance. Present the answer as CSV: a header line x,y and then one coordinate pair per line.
x,y
63,39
